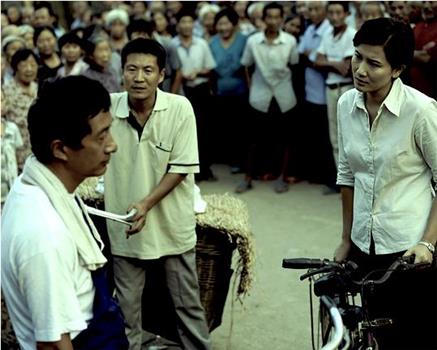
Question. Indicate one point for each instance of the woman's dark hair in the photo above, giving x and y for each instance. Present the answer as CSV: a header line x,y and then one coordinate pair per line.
x,y
57,115
272,6
144,46
228,12
344,4
185,12
396,38
21,55
39,30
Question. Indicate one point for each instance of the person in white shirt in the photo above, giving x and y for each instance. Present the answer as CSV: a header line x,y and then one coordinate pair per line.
x,y
52,266
387,162
271,96
334,56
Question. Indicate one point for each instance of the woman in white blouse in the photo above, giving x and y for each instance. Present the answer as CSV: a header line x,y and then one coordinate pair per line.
x,y
387,164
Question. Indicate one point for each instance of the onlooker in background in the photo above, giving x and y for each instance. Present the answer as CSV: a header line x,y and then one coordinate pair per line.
x,y
14,14
81,14
116,22
334,56
255,14
372,10
143,29
161,22
44,16
11,141
26,32
72,50
206,18
319,164
424,68
271,96
294,25
98,57
19,93
244,24
139,9
10,45
230,89
45,41
196,65
27,13
400,10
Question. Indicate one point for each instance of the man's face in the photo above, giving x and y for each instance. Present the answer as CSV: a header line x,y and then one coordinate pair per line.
x,y
273,19
316,12
371,10
429,10
337,15
97,147
400,10
118,29
185,26
42,18
141,75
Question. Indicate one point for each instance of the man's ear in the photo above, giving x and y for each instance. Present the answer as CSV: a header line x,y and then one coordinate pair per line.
x,y
161,75
58,150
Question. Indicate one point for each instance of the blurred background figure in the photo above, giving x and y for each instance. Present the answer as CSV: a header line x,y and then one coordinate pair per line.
x,y
139,10
246,27
372,10
81,14
294,25
26,32
116,22
206,19
424,68
45,41
10,45
72,52
255,14
19,93
162,24
44,16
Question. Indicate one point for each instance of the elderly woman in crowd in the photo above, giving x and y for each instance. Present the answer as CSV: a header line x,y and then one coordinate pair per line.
x,y
116,22
10,45
26,32
206,17
98,56
20,93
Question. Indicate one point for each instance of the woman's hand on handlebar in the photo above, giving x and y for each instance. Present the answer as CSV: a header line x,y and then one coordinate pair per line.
x,y
422,254
342,251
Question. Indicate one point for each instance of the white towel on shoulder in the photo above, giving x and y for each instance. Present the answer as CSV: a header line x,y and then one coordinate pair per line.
x,y
90,254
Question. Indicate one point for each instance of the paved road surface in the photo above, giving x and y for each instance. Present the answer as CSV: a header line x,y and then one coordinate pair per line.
x,y
301,222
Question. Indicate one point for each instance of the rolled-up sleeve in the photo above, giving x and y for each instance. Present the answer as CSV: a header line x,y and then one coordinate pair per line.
x,y
425,134
184,157
345,176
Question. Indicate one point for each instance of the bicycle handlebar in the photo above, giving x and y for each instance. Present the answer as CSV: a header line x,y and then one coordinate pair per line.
x,y
307,263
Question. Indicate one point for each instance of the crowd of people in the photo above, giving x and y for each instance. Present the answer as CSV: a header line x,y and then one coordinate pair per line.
x,y
253,105
337,93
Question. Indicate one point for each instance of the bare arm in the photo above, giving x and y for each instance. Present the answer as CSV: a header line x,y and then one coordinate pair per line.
x,y
341,67
423,255
63,344
167,184
177,82
347,199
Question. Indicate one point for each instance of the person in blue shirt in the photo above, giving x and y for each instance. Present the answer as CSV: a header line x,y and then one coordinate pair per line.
x,y
230,88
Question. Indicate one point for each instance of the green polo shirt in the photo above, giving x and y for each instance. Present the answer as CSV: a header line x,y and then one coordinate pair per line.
x,y
166,144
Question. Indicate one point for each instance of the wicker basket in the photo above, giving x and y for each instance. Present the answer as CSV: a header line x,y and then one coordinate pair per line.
x,y
214,258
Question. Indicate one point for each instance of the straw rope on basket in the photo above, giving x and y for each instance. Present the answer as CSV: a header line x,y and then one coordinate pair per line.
x,y
222,228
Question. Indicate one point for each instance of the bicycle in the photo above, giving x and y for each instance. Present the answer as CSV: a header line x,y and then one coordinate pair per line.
x,y
335,285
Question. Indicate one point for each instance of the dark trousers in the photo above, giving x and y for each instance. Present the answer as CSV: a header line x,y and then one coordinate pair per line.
x,y
229,129
200,98
270,138
408,298
318,163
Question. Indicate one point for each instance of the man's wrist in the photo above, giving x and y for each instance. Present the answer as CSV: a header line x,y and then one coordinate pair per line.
x,y
428,245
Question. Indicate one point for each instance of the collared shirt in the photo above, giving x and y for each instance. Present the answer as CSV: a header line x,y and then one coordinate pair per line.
x,y
389,165
336,49
196,57
272,75
78,68
168,144
314,80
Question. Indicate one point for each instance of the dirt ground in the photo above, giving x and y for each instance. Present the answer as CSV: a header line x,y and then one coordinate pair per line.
x,y
300,223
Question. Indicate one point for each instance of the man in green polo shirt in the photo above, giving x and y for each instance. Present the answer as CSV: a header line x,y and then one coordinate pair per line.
x,y
154,173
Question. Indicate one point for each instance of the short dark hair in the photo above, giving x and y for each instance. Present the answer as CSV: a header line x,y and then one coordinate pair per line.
x,y
21,55
144,46
271,6
344,4
141,26
228,12
396,38
70,38
62,112
45,5
185,12
39,30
